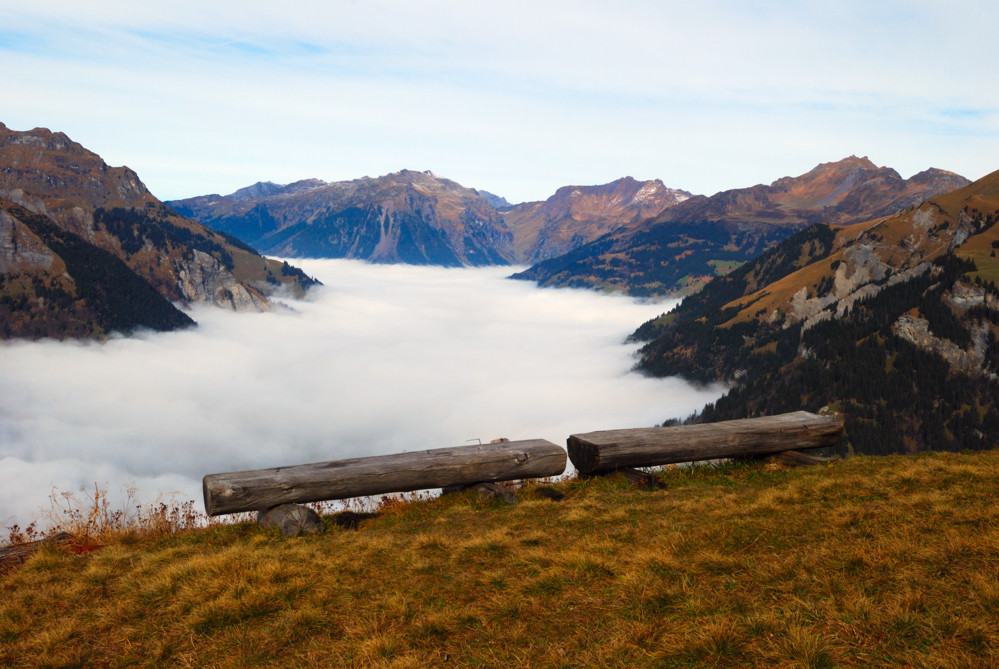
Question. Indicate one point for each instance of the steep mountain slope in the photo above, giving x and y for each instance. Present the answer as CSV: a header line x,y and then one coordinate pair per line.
x,y
411,217
892,321
55,284
576,215
702,237
86,249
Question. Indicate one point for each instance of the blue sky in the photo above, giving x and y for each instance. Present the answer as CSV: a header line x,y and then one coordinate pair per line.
x,y
517,98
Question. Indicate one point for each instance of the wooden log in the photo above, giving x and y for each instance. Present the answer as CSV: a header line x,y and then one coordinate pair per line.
x,y
608,450
376,475
11,556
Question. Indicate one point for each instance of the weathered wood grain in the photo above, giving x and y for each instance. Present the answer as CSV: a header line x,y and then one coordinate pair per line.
x,y
607,450
401,472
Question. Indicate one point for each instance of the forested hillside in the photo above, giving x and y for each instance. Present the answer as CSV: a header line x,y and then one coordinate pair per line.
x,y
892,323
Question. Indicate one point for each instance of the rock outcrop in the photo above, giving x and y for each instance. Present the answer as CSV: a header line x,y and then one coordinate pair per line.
x,y
204,279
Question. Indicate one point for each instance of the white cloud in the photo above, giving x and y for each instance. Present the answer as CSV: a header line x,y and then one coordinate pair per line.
x,y
381,360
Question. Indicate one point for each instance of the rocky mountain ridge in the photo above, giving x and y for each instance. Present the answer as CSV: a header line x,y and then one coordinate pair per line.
x,y
577,215
408,216
702,237
401,217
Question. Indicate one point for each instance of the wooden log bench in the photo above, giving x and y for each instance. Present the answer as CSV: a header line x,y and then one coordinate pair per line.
x,y
262,489
613,450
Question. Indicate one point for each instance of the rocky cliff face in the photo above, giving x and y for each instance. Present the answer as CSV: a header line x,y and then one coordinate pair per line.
x,y
50,166
64,211
205,279
971,360
411,217
55,284
21,250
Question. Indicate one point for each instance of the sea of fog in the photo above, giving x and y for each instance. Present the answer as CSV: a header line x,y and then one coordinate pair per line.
x,y
382,359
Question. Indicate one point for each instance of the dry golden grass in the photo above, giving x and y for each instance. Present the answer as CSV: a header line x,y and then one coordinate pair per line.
x,y
867,562
979,249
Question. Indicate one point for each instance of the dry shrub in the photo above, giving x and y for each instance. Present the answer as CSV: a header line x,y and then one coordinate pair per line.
x,y
16,535
97,518
397,501
92,518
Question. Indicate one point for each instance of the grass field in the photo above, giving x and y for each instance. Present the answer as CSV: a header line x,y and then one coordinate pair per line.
x,y
868,562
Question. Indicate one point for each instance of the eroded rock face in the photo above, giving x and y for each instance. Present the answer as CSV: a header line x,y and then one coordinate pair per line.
x,y
20,249
50,165
861,276
917,331
204,280
965,295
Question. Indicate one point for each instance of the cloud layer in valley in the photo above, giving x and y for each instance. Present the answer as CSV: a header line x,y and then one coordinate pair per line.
x,y
380,360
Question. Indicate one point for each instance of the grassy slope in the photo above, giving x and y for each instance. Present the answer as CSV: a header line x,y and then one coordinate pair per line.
x,y
867,562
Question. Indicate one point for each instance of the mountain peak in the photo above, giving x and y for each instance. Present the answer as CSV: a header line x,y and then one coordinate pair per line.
x,y
407,216
41,139
263,189
497,201
863,162
259,189
576,215
704,236
51,165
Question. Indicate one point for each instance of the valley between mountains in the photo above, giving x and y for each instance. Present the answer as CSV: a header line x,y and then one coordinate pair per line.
x,y
848,289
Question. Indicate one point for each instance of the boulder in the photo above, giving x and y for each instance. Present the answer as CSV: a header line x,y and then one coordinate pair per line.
x,y
291,519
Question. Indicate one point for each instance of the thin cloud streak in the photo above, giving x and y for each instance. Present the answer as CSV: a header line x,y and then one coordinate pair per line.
x,y
383,359
515,98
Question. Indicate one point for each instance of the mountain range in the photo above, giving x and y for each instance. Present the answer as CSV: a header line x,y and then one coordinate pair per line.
x,y
846,290
420,218
891,322
631,236
687,244
86,249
